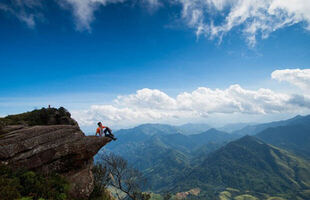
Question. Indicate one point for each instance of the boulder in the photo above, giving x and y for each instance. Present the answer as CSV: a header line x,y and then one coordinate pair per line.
x,y
63,149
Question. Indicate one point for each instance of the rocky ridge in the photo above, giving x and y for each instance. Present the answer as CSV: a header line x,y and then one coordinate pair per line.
x,y
62,148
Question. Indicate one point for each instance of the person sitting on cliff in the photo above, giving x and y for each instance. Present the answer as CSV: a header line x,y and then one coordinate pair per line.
x,y
106,130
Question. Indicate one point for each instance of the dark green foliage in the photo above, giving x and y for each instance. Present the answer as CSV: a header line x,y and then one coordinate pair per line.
x,y
167,196
295,138
159,162
44,116
100,194
174,162
113,171
101,180
9,188
163,154
21,183
249,165
212,136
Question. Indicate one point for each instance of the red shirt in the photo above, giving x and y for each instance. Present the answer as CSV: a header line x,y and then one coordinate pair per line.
x,y
100,132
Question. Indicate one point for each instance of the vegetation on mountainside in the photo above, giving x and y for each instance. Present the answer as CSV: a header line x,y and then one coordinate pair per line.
x,y
295,138
44,116
234,194
255,169
250,165
159,163
164,157
17,184
254,129
228,194
113,172
101,178
27,185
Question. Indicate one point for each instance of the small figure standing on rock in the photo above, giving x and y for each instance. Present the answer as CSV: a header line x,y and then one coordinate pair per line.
x,y
106,130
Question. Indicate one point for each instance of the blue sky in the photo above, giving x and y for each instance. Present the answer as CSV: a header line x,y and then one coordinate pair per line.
x,y
83,55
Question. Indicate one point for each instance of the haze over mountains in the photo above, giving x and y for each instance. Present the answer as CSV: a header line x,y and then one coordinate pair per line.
x,y
151,129
161,154
274,161
254,129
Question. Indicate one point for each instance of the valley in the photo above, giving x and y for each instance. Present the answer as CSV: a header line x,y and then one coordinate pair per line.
x,y
273,161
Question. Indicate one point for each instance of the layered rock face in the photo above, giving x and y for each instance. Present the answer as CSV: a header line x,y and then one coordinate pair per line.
x,y
53,148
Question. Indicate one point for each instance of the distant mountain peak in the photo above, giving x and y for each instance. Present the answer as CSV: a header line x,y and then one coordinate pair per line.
x,y
251,165
150,129
249,138
214,130
297,117
254,129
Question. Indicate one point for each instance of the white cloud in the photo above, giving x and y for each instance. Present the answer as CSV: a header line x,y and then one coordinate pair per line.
x,y
254,17
83,10
152,105
152,3
212,18
147,98
27,11
233,99
297,77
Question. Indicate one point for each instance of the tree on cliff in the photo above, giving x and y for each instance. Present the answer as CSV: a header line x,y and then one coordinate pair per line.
x,y
112,170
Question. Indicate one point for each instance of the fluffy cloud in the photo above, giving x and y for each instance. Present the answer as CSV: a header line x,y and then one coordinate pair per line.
x,y
254,17
234,99
212,18
297,77
151,105
147,98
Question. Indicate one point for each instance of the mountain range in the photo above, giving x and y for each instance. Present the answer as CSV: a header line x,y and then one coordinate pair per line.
x,y
162,154
151,129
255,129
295,138
251,166
274,161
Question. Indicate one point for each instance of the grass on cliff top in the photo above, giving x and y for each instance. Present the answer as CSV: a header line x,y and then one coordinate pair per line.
x,y
44,116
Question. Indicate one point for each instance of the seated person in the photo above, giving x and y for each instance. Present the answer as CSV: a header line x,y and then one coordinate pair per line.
x,y
106,130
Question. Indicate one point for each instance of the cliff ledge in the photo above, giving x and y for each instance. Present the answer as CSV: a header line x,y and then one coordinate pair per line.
x,y
48,141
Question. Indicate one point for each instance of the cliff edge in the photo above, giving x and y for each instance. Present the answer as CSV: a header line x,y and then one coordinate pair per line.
x,y
54,144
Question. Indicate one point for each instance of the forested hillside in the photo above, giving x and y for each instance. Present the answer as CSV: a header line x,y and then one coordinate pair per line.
x,y
162,154
249,164
254,129
214,160
295,138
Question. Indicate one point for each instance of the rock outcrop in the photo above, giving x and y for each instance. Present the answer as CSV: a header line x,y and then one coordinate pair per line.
x,y
63,149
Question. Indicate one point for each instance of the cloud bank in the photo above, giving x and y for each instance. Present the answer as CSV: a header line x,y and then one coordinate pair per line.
x,y
210,18
297,77
152,105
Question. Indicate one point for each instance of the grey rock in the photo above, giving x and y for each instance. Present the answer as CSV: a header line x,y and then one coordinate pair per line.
x,y
63,149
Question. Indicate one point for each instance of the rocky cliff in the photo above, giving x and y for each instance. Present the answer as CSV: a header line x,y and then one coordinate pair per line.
x,y
62,148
